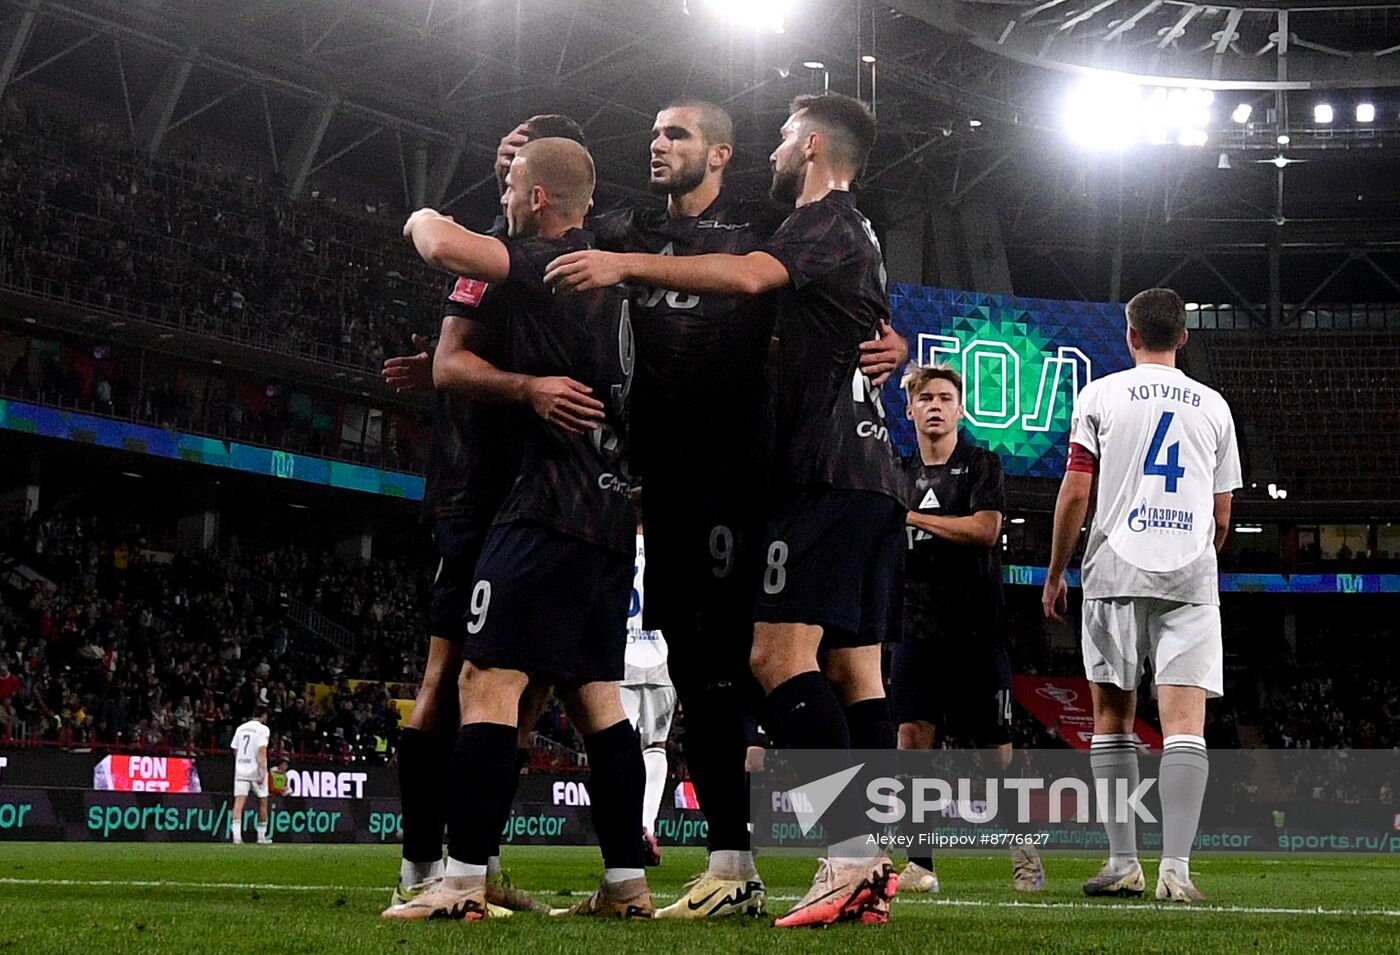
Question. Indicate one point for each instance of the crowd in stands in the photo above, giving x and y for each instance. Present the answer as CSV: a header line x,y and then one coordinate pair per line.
x,y
140,647
1334,705
187,242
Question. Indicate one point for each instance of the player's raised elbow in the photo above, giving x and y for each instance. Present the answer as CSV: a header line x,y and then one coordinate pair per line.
x,y
438,251
756,273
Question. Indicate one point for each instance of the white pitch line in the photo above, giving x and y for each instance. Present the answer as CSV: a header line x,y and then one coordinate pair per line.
x,y
903,900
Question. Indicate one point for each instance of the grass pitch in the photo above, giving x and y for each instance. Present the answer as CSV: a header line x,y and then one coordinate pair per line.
x,y
286,899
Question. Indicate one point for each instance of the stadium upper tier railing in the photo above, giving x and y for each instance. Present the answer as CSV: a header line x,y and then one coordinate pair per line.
x,y
123,307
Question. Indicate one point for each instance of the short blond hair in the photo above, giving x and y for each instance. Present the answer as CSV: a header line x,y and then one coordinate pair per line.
x,y
917,376
564,169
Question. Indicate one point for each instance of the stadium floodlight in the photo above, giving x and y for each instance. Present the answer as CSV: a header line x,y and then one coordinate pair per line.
x,y
974,123
1242,113
1365,112
1018,520
1249,529
758,14
814,64
1283,139
867,58
1322,114
1109,112
1280,160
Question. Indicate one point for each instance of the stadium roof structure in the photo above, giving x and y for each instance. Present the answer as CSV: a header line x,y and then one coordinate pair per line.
x,y
408,97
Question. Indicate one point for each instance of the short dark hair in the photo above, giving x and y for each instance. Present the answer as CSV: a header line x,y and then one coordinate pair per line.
x,y
1158,315
548,125
716,125
260,710
919,375
848,122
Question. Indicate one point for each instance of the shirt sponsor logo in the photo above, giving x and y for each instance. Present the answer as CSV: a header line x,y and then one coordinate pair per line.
x,y
930,500
869,429
716,224
468,292
613,482
1143,518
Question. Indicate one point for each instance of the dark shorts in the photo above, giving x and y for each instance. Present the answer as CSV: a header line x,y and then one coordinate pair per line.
x,y
458,545
699,576
834,559
965,694
549,605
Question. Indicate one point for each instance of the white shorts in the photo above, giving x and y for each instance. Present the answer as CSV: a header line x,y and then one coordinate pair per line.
x,y
649,710
257,785
1182,640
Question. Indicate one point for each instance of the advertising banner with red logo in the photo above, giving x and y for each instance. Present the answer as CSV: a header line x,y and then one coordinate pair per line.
x,y
1063,704
154,774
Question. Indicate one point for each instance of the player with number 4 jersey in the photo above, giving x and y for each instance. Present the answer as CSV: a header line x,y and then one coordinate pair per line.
x,y
1163,449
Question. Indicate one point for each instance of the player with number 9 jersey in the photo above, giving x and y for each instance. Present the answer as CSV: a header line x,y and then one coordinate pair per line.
x,y
557,563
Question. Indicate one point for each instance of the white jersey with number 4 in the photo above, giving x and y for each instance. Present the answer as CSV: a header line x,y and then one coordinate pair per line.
x,y
247,740
1165,446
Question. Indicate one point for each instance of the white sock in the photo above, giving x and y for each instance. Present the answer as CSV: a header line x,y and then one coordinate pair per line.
x,y
732,864
655,760
493,866
1178,866
612,876
261,827
412,873
455,868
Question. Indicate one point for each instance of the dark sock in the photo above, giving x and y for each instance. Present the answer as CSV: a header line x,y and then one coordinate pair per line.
x,y
807,714
423,758
502,811
871,725
715,743
925,861
483,780
616,778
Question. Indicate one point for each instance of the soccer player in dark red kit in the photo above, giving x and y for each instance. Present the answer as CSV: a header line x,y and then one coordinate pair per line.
x,y
832,549
554,576
472,461
697,460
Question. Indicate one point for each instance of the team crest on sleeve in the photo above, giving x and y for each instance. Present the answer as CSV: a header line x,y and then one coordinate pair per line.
x,y
468,292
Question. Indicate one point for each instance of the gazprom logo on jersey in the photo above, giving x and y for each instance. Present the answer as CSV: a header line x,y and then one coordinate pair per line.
x,y
1145,518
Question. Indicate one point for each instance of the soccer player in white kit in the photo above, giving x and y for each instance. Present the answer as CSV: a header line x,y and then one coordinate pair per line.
x,y
1163,448
250,773
649,700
